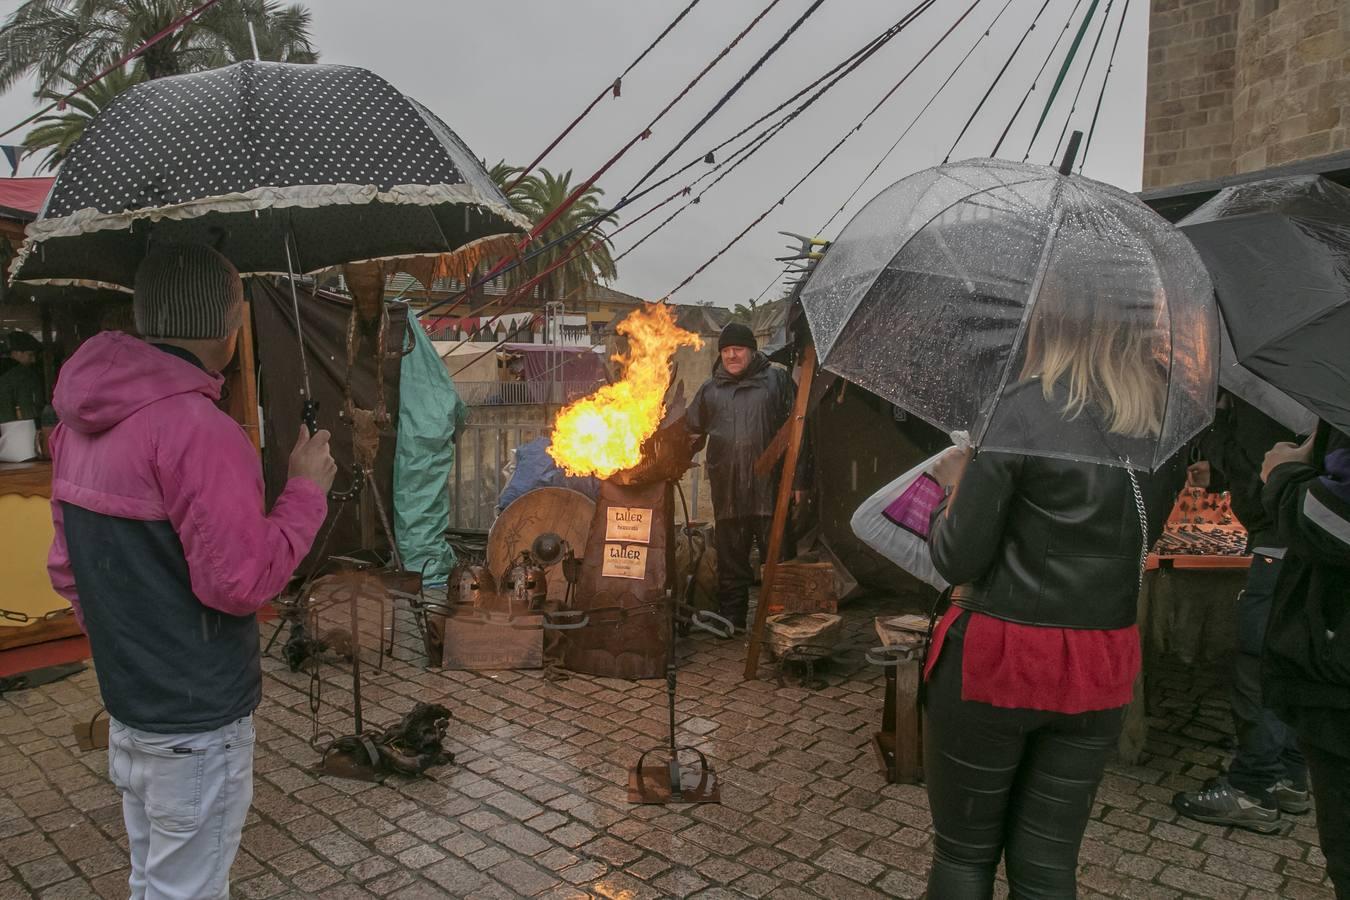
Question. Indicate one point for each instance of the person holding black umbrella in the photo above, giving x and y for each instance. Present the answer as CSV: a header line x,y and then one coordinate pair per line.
x,y
165,549
1267,776
1306,663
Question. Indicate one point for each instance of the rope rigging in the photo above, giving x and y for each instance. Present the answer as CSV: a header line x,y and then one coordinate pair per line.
x,y
506,263
610,89
1106,79
851,62
1068,23
1063,71
833,76
983,34
997,78
755,144
914,14
1073,107
735,88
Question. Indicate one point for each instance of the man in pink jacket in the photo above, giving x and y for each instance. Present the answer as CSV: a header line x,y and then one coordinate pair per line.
x,y
165,550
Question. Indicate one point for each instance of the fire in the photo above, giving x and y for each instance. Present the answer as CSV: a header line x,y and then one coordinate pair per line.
x,y
603,433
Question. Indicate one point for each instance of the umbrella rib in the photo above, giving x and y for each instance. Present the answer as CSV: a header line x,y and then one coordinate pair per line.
x,y
1041,268
824,355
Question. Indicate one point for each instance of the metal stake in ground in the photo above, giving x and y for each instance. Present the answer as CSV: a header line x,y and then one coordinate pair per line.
x,y
665,784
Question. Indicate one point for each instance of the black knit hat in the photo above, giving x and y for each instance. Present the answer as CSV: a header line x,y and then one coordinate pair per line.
x,y
22,342
736,335
187,291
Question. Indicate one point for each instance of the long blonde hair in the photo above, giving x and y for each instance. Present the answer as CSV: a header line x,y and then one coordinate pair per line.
x,y
1102,353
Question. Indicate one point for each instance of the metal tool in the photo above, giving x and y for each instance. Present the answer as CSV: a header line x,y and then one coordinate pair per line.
x,y
309,407
668,783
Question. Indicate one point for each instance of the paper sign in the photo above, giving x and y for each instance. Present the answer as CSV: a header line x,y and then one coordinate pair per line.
x,y
622,561
628,523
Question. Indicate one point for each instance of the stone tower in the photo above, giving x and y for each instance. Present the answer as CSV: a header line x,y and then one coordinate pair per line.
x,y
1235,86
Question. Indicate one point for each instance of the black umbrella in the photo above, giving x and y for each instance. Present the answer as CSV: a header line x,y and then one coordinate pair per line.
x,y
245,157
1278,252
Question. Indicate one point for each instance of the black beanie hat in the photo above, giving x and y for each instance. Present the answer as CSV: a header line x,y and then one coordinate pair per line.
x,y
23,342
736,335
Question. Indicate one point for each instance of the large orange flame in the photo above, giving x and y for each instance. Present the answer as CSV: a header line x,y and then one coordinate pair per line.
x,y
603,433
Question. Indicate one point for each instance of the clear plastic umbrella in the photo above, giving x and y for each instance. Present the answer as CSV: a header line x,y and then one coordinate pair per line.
x,y
955,289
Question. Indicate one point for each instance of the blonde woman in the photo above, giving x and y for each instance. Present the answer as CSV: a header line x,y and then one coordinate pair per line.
x,y
1035,660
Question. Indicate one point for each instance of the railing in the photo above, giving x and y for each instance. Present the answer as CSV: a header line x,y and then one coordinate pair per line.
x,y
498,393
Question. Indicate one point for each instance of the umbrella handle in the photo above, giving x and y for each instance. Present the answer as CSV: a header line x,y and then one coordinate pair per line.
x,y
309,414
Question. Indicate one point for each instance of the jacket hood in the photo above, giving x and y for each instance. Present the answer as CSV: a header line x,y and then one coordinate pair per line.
x,y
113,375
758,363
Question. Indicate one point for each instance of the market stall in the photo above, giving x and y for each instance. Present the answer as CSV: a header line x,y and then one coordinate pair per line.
x,y
1188,599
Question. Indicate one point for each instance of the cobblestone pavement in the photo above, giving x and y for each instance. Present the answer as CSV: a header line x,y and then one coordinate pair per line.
x,y
535,806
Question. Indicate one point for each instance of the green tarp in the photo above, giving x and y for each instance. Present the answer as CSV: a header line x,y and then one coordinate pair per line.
x,y
429,413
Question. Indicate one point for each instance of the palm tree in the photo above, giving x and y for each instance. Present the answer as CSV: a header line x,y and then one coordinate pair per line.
x,y
58,131
537,196
68,41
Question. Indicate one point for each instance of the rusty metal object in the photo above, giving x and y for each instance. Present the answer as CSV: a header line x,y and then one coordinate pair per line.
x,y
805,587
484,630
525,585
625,574
562,511
473,587
666,455
409,748
671,781
92,735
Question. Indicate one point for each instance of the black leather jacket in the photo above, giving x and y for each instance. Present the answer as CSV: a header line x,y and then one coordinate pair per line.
x,y
1050,542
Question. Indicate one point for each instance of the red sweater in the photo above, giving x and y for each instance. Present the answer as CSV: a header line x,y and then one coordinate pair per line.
x,y
1065,670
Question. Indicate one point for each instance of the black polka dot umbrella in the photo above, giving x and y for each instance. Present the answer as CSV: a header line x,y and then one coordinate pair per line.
x,y
246,156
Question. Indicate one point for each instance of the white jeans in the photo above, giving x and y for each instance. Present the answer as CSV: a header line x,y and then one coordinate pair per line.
x,y
184,799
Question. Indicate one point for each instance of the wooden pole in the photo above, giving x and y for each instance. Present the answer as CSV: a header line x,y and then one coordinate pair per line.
x,y
780,509
243,403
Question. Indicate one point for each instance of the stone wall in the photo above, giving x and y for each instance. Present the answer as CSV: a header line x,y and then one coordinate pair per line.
x,y
1291,97
1238,85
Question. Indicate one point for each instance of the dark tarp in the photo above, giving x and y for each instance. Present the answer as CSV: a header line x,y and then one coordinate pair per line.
x,y
324,317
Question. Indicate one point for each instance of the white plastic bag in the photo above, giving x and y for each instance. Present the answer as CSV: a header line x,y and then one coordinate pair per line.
x,y
884,523
18,441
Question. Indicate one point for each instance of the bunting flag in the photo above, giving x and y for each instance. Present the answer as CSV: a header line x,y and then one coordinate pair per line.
x,y
13,153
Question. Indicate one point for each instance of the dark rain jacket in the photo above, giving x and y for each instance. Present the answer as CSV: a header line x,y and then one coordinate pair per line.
x,y
1235,446
1306,664
20,394
1050,542
739,417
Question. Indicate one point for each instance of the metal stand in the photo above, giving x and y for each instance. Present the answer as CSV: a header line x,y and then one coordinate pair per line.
x,y
667,784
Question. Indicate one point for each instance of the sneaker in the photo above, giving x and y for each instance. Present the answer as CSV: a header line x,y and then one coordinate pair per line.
x,y
1292,800
1219,803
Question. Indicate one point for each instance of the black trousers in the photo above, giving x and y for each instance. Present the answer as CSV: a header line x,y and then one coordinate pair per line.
x,y
1012,783
1267,749
1330,776
734,539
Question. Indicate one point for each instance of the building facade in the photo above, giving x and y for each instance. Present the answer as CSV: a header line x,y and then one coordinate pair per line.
x,y
1238,86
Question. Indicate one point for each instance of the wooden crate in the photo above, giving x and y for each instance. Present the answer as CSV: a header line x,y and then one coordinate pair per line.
x,y
804,587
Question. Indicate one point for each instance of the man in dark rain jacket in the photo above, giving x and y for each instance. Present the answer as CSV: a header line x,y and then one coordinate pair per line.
x,y
739,410
1306,664
1267,776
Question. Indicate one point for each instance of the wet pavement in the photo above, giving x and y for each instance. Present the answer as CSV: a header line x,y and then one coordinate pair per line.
x,y
535,805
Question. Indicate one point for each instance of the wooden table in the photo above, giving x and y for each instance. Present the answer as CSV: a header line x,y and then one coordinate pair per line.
x,y
1187,609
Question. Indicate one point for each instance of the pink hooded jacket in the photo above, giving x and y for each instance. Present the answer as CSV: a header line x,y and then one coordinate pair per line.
x,y
141,438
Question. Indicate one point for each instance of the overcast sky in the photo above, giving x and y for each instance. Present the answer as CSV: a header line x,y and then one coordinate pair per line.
x,y
508,75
